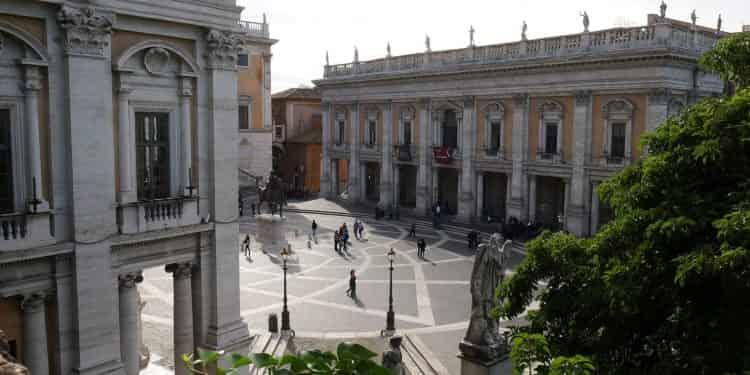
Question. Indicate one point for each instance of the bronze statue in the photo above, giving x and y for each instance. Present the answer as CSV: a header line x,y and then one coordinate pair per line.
x,y
272,192
8,365
483,339
392,357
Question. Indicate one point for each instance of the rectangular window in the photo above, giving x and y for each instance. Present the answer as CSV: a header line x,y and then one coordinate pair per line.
x,y
6,163
407,133
618,140
342,127
372,128
242,60
550,142
495,135
152,155
450,130
244,119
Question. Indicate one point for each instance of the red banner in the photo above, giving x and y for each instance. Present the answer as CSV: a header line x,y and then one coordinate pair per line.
x,y
443,155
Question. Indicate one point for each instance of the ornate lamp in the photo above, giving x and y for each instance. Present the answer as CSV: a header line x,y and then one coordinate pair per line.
x,y
285,327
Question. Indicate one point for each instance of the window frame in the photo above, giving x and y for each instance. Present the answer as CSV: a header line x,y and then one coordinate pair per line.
x,y
18,151
139,152
617,110
407,117
550,111
370,139
248,102
175,134
494,113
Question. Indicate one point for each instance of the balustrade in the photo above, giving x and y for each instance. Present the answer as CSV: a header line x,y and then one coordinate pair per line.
x,y
25,230
144,216
254,28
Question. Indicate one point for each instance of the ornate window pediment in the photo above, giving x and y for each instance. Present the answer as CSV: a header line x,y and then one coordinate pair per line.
x,y
550,131
618,124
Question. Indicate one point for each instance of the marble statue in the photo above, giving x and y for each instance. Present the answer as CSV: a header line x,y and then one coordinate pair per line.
x,y
483,339
524,28
327,61
585,22
388,49
8,365
693,17
356,54
471,35
718,24
427,43
663,10
392,357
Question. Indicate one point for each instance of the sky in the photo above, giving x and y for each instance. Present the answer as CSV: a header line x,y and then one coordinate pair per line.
x,y
306,29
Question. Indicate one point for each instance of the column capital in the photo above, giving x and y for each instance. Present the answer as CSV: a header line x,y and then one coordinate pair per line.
x,y
468,101
129,280
521,100
180,270
583,97
33,302
658,96
223,47
87,32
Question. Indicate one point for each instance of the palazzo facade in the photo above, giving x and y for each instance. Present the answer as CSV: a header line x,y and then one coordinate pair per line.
x,y
118,152
524,129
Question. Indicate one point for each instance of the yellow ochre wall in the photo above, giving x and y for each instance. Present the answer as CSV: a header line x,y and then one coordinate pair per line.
x,y
507,124
637,127
250,83
567,103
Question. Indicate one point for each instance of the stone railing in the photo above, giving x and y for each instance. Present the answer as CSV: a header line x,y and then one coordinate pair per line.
x,y
550,157
493,153
255,28
25,230
405,152
144,216
616,40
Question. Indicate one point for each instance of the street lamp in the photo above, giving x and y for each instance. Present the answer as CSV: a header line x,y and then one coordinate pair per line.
x,y
285,312
390,320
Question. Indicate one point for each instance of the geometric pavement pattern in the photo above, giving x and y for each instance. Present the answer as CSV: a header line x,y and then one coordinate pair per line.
x,y
431,295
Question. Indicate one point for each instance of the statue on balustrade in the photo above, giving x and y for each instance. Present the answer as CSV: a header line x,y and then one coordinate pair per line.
x,y
272,192
8,364
663,10
585,22
483,340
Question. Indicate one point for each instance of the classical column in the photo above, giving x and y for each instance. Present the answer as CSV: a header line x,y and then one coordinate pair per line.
x,y
225,327
35,334
354,154
423,147
267,90
566,199
31,115
386,166
129,327
517,206
187,173
467,129
574,217
532,197
396,185
480,194
325,173
128,192
594,210
183,312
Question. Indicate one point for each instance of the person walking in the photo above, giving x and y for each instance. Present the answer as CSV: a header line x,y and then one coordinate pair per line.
x,y
336,237
246,246
413,230
421,247
352,291
314,227
344,237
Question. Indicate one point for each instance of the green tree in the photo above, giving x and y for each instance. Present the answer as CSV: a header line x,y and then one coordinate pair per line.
x,y
349,359
664,287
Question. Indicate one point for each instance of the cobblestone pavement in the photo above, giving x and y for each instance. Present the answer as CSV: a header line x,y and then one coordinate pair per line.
x,y
431,295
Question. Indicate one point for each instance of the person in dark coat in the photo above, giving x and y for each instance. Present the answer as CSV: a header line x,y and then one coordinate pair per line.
x,y
352,291
413,230
421,247
314,227
336,239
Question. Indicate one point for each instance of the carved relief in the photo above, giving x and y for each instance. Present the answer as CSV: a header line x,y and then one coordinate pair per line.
x,y
86,33
550,107
156,61
617,107
223,47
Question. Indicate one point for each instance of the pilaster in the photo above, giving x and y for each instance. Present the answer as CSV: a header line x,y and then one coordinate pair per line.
x,y
386,166
354,153
325,173
129,311
518,201
656,111
35,352
186,171
32,86
425,127
466,202
574,201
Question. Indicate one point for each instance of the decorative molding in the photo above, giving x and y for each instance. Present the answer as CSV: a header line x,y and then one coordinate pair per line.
x,y
223,47
2,43
180,270
156,60
33,302
130,279
618,106
521,100
550,108
658,97
675,107
495,107
86,33
583,97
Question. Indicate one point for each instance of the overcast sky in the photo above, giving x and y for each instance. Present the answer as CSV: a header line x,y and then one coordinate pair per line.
x,y
306,29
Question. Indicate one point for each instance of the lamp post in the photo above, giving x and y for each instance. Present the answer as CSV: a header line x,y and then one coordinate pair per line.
x,y
390,321
285,312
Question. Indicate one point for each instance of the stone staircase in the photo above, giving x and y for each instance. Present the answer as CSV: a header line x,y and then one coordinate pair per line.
x,y
418,360
269,343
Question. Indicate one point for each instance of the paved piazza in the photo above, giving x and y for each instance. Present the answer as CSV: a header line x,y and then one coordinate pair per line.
x,y
431,295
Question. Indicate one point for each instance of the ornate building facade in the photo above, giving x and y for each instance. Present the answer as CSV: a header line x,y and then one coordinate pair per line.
x,y
524,129
118,150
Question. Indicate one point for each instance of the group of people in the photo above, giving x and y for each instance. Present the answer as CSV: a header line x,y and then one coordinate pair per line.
x,y
359,228
341,239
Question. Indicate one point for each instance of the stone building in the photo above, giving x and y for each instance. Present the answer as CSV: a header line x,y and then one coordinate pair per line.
x,y
118,150
524,129
297,137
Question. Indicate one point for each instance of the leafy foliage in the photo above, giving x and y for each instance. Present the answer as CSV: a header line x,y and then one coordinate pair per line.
x,y
348,359
663,287
529,351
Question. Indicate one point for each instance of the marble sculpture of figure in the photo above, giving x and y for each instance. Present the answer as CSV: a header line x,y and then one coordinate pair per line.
x,y
483,339
663,9
427,42
392,357
693,17
8,365
585,21
523,30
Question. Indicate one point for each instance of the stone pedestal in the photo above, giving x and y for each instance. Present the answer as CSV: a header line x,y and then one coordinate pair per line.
x,y
271,235
473,366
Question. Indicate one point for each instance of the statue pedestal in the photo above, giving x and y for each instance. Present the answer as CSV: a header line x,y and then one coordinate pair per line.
x,y
475,366
271,235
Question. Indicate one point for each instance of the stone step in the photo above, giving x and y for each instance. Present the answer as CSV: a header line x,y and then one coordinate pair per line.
x,y
269,343
418,360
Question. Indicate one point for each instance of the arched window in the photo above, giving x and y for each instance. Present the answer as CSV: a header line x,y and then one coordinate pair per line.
x,y
493,129
550,131
618,124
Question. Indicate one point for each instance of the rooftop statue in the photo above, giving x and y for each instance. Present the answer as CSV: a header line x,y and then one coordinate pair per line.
x,y
523,30
663,9
585,21
427,43
8,365
693,17
483,340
